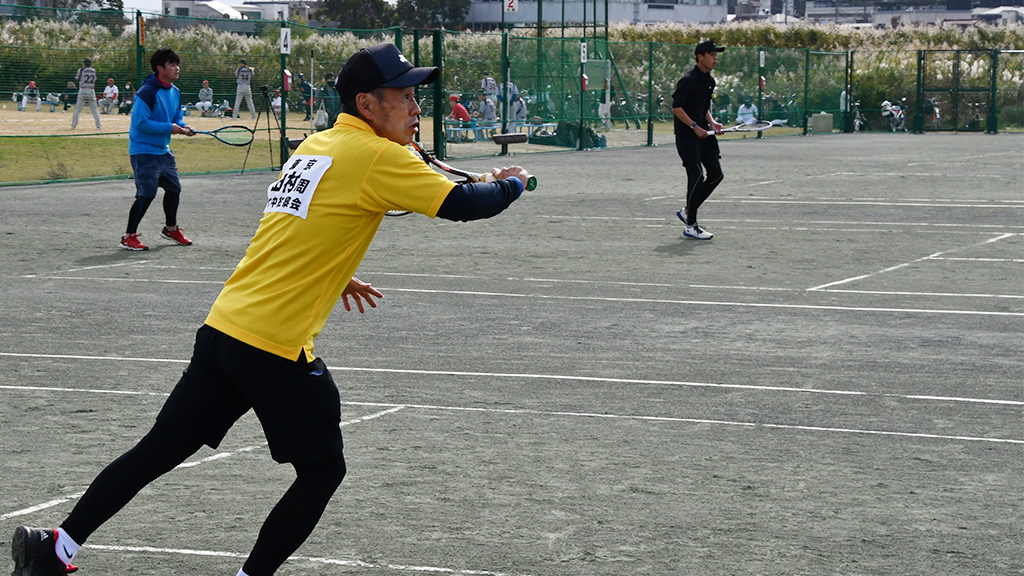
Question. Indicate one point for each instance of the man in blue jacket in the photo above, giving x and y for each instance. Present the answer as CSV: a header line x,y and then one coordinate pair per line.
x,y
156,115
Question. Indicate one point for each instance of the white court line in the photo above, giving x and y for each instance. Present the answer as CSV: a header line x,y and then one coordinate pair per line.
x,y
628,300
509,375
42,506
716,422
921,259
997,260
313,559
140,280
600,282
392,407
709,302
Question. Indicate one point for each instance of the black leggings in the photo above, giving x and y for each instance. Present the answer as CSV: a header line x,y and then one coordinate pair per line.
x,y
699,185
289,524
138,210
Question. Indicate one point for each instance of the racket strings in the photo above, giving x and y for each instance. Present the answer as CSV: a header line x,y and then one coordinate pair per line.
x,y
231,135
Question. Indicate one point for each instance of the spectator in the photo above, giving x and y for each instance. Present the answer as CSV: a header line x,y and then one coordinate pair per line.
x,y
277,103
205,103
31,94
65,98
459,111
128,98
108,104
329,96
747,112
305,95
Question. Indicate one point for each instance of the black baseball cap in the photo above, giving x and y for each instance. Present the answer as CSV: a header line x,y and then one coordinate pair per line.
x,y
707,46
380,66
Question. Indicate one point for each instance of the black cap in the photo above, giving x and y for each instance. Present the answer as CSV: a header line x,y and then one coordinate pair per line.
x,y
87,61
380,66
707,46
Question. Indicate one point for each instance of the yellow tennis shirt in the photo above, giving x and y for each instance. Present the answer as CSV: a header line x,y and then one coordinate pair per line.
x,y
320,218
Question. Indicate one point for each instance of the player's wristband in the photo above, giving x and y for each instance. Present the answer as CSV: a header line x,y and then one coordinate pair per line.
x,y
693,125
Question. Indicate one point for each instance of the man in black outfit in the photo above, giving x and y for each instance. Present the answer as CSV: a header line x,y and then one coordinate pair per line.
x,y
695,131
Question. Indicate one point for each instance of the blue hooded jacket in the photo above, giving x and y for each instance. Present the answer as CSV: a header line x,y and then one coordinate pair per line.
x,y
157,107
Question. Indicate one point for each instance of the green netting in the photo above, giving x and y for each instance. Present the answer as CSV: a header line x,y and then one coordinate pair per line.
x,y
627,100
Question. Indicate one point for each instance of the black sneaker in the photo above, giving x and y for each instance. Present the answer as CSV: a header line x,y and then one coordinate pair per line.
x,y
34,554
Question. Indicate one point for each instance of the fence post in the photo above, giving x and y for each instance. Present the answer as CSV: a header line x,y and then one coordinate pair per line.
x,y
579,82
140,47
650,91
807,80
918,124
439,138
992,122
285,88
847,116
760,83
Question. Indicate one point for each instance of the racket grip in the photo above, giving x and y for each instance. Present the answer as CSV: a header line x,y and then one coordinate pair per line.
x,y
531,183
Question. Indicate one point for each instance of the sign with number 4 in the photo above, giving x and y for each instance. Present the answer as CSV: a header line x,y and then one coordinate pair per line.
x,y
286,40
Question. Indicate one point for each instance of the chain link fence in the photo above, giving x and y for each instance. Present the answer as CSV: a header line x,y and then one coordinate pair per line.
x,y
619,96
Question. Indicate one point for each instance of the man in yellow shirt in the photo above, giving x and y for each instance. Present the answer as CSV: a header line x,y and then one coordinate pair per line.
x,y
255,350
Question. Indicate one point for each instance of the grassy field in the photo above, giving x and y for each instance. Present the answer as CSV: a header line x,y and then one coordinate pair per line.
x,y
42,147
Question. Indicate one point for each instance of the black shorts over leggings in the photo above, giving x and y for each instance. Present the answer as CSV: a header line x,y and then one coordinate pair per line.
x,y
297,402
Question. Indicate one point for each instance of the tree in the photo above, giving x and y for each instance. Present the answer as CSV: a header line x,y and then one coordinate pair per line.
x,y
358,14
432,14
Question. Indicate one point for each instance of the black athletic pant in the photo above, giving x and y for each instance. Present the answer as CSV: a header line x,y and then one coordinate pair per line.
x,y
700,185
289,524
138,210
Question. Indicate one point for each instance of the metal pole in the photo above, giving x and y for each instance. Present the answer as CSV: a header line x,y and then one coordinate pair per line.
x,y
992,122
807,80
439,138
140,47
918,124
284,110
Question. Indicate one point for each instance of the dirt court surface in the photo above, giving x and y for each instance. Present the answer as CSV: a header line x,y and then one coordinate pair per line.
x,y
832,385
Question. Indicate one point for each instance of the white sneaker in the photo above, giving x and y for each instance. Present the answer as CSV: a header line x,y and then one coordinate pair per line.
x,y
697,232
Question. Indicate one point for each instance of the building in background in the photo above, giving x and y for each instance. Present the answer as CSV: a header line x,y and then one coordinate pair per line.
x,y
486,14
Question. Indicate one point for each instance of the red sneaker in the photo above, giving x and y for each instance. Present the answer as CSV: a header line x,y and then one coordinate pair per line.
x,y
131,242
175,236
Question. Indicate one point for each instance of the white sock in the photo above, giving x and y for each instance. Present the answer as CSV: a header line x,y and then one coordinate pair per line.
x,y
241,573
66,547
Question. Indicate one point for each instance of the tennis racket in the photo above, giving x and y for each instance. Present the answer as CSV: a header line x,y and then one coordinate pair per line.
x,y
230,135
467,176
758,126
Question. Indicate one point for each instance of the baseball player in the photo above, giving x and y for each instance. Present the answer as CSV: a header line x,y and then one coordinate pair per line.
x,y
86,77
108,105
205,103
31,94
255,350
243,78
